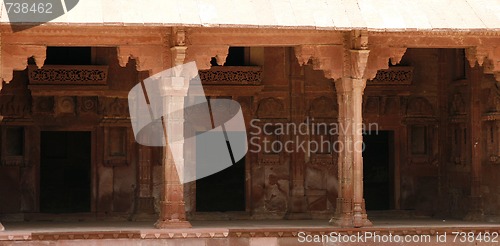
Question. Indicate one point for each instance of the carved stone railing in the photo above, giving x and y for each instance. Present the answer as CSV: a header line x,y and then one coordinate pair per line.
x,y
219,75
68,75
393,76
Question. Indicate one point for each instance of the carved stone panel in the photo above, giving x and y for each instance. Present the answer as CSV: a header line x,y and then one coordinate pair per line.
x,y
220,75
88,104
115,146
419,107
271,107
323,108
392,76
15,105
114,107
65,105
68,75
44,105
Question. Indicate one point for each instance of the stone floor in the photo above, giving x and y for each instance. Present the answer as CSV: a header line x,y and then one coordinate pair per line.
x,y
243,232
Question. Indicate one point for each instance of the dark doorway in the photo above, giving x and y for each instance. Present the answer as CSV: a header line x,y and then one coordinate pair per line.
x,y
65,172
222,191
378,170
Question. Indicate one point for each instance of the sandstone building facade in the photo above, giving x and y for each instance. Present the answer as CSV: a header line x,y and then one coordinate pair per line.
x,y
67,147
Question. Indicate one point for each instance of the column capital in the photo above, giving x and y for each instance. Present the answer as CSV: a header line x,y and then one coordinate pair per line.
x,y
359,60
15,57
178,55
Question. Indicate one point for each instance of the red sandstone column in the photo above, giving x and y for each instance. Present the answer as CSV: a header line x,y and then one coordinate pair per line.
x,y
350,204
359,59
343,213
172,211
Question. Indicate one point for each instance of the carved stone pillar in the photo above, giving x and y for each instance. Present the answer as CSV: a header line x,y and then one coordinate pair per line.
x,y
156,59
350,65
489,59
359,59
298,203
350,207
344,212
172,208
172,205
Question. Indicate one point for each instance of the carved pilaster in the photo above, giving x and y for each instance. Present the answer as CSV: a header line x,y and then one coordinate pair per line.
x,y
202,54
15,57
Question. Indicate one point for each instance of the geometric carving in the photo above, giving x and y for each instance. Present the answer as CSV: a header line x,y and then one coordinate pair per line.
x,y
14,105
419,106
114,107
65,105
393,76
270,108
68,75
43,105
323,107
219,75
88,104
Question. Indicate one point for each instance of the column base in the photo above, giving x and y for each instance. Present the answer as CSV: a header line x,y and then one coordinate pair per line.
x,y
348,221
162,224
345,217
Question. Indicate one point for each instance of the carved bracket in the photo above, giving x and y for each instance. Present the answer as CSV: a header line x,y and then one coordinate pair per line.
x,y
379,57
487,56
15,57
328,58
202,54
148,58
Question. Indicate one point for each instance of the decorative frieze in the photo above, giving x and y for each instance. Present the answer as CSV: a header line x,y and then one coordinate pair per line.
x,y
392,76
231,76
68,75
